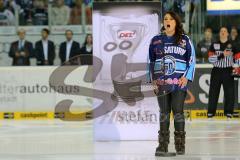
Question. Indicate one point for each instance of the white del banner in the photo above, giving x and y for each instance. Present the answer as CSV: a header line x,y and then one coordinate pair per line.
x,y
124,30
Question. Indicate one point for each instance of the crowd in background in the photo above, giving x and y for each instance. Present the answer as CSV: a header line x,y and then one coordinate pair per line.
x,y
69,12
202,46
38,12
22,50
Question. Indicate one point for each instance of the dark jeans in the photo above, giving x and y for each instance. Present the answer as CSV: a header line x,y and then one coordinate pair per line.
x,y
173,101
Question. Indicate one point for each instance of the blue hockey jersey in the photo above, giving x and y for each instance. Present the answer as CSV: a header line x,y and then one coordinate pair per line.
x,y
170,61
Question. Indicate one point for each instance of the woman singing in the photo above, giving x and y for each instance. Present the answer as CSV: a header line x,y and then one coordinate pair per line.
x,y
174,49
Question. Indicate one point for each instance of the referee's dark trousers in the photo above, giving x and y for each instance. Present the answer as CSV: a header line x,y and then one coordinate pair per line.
x,y
221,76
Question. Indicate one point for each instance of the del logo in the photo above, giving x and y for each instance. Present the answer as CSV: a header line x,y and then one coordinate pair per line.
x,y
126,34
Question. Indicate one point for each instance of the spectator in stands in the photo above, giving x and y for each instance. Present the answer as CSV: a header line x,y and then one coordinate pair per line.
x,y
21,51
40,13
25,12
76,12
203,46
234,37
6,16
45,49
87,47
60,13
89,13
87,50
69,48
88,2
179,7
167,5
12,6
69,3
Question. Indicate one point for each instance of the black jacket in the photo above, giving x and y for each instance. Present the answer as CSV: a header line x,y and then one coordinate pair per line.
x,y
21,60
40,53
75,50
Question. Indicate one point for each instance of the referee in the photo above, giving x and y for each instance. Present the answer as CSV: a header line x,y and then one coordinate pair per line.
x,y
221,55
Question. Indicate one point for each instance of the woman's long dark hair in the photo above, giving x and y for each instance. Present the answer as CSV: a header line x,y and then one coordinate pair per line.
x,y
85,42
179,27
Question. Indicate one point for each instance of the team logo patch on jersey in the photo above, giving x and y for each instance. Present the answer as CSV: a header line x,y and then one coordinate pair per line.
x,y
169,65
183,43
216,46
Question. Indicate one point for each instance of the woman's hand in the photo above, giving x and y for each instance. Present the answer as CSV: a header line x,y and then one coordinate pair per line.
x,y
182,82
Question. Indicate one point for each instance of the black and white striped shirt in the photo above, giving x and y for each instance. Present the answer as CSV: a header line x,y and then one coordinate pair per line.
x,y
216,56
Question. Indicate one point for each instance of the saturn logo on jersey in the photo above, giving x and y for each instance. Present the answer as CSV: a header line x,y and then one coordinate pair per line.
x,y
174,50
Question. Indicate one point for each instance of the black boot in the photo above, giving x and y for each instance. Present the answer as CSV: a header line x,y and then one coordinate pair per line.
x,y
179,137
163,139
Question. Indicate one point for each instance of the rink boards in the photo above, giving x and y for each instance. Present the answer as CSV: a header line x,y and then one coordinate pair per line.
x,y
25,93
84,116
